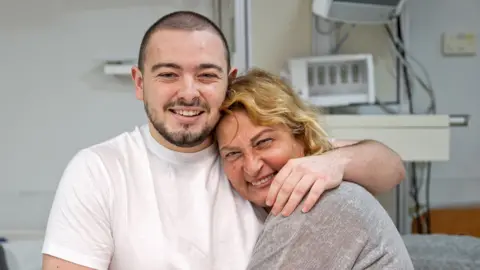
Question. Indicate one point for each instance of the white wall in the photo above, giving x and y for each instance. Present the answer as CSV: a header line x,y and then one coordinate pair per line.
x,y
456,81
55,98
280,29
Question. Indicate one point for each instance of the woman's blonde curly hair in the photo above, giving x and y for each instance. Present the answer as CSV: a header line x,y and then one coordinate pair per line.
x,y
269,101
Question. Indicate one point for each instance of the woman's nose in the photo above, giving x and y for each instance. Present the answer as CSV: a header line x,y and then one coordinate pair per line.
x,y
253,165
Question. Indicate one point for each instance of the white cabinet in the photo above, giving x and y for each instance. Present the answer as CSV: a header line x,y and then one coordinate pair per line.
x,y
413,137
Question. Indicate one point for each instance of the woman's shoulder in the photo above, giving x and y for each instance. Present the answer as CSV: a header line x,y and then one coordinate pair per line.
x,y
347,202
350,200
348,193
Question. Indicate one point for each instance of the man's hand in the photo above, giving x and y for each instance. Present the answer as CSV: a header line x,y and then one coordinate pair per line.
x,y
312,175
368,163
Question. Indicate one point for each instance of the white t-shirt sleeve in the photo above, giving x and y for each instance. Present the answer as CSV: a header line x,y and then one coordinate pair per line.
x,y
78,227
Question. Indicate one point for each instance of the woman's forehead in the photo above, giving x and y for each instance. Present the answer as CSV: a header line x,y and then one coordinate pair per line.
x,y
233,126
238,128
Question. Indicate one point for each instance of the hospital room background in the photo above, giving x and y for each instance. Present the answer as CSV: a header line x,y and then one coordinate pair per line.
x,y
410,83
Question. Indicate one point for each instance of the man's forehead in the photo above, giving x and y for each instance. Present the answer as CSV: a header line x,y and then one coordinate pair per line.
x,y
174,45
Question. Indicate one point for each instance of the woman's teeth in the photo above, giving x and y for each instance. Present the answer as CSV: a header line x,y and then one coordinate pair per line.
x,y
263,181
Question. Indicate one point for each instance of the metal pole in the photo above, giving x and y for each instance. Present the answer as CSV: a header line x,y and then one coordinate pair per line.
x,y
248,34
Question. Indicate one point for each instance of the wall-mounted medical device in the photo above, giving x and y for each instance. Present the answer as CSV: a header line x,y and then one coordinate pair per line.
x,y
334,80
358,11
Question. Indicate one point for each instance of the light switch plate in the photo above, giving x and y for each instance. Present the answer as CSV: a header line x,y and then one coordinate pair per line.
x,y
459,44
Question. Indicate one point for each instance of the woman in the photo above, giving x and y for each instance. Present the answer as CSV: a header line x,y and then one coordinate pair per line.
x,y
264,125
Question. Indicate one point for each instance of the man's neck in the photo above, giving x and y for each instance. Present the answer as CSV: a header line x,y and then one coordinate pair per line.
x,y
161,140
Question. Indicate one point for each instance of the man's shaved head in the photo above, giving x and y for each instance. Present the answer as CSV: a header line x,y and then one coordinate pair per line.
x,y
181,20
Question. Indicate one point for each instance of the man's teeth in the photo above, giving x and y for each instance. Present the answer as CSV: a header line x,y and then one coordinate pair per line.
x,y
187,113
263,181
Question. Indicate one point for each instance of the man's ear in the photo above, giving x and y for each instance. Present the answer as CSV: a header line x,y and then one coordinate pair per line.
x,y
233,74
138,82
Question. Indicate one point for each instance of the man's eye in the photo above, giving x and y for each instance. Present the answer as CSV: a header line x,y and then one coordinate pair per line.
x,y
167,75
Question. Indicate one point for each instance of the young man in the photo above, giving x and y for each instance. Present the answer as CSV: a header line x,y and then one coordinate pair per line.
x,y
156,197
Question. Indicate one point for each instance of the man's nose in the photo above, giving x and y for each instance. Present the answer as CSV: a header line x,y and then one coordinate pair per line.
x,y
189,89
252,166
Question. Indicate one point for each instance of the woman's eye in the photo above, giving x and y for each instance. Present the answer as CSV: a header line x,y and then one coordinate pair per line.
x,y
209,75
264,142
231,154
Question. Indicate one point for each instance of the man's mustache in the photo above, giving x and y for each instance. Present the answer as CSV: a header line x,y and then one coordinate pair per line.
x,y
183,103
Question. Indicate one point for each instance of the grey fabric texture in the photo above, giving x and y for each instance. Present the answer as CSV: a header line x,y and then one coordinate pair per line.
x,y
443,252
347,229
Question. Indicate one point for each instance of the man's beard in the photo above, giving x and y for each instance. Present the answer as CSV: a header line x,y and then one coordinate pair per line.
x,y
184,139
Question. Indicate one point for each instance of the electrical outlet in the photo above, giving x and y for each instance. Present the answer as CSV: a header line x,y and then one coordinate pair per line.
x,y
459,44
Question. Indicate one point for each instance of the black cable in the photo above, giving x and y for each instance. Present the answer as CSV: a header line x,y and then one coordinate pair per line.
x,y
408,87
414,180
398,65
429,164
414,194
398,82
427,198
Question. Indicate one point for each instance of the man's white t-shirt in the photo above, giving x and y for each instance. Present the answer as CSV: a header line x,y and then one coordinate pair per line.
x,y
130,203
